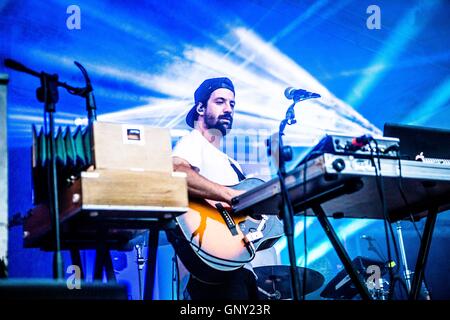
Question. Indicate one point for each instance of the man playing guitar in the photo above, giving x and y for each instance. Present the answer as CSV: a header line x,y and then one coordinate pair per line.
x,y
209,171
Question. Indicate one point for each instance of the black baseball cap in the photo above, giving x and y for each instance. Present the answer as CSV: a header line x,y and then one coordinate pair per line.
x,y
204,91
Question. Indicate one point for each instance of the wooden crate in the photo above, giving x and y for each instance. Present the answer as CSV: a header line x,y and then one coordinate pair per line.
x,y
128,146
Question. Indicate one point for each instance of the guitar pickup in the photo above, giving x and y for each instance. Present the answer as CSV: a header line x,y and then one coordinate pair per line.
x,y
227,218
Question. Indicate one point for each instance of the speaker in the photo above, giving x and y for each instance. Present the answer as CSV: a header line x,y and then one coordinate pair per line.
x,y
44,289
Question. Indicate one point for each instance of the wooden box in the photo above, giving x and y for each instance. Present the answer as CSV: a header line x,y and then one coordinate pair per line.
x,y
129,146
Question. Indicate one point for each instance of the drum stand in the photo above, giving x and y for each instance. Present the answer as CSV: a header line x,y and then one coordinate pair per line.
x,y
406,271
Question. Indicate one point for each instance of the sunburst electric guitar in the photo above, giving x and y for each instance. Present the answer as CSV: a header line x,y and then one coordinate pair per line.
x,y
211,241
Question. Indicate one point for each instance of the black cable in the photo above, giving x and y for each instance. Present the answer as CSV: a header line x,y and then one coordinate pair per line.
x,y
379,181
397,255
305,243
403,195
394,241
408,208
304,162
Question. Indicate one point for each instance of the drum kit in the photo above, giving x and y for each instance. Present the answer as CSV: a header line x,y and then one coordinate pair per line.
x,y
274,282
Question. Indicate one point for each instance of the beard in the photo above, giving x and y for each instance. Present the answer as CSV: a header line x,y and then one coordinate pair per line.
x,y
219,124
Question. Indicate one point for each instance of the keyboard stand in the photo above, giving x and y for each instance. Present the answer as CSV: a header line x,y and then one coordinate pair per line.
x,y
314,203
424,249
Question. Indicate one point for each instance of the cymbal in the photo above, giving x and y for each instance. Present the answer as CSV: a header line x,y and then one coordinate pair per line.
x,y
274,282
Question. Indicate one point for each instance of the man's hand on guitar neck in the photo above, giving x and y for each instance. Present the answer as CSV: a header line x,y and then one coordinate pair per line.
x,y
200,187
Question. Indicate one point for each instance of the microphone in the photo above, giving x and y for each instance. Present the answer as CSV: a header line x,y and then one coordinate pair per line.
x,y
366,237
15,65
299,94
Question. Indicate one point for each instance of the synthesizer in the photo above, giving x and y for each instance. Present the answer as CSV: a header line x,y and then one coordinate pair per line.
x,y
421,182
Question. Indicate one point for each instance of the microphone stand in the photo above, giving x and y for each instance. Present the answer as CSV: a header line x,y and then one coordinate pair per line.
x,y
373,248
284,155
48,94
407,272
140,260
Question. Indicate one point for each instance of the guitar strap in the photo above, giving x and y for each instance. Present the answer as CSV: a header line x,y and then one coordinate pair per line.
x,y
238,172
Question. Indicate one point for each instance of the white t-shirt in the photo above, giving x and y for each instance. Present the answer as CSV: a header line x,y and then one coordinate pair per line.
x,y
209,161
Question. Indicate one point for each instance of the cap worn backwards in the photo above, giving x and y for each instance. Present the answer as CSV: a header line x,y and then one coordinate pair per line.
x,y
204,91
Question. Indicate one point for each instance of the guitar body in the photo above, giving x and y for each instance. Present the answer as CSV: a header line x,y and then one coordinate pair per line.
x,y
209,248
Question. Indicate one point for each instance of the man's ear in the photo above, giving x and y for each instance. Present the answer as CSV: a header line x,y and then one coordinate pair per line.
x,y
200,109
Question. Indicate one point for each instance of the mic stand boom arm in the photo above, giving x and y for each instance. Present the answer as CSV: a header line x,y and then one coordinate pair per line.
x,y
85,92
48,94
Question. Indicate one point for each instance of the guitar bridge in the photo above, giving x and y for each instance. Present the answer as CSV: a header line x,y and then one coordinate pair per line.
x,y
227,218
258,234
255,235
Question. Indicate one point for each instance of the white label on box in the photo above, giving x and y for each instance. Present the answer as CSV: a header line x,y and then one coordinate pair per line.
x,y
133,134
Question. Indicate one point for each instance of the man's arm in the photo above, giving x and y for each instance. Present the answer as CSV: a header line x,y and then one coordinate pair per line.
x,y
200,187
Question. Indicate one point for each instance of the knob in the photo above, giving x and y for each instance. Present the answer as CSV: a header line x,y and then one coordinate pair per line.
x,y
338,165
